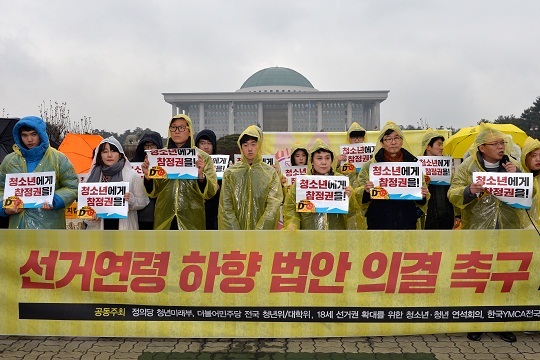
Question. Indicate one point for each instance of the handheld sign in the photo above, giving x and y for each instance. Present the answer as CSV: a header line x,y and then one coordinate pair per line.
x,y
437,169
31,190
322,194
176,163
396,180
357,155
103,200
514,189
291,172
137,166
221,162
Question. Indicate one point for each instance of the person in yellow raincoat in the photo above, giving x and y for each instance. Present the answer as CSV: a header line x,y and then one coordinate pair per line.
x,y
251,191
321,159
389,214
299,157
530,162
180,203
356,134
479,209
440,212
32,153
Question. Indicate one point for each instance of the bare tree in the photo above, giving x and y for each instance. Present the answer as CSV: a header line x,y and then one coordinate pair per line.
x,y
59,122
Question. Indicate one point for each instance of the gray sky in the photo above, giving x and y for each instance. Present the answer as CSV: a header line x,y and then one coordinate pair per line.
x,y
450,63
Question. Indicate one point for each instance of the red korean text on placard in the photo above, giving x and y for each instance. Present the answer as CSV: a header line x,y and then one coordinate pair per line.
x,y
415,272
473,270
238,268
294,272
142,272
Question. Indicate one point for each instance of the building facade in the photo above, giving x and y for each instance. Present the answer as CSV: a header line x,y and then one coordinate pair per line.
x,y
279,99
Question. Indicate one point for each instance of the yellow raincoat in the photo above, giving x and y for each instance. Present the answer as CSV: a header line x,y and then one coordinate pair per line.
x,y
183,198
356,219
388,214
293,220
251,194
295,147
530,146
440,212
486,211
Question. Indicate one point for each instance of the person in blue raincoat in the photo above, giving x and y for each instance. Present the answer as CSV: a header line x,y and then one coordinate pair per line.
x,y
33,153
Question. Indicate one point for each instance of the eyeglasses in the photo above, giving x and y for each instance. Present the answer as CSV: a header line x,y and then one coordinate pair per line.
x,y
180,128
150,146
497,144
393,139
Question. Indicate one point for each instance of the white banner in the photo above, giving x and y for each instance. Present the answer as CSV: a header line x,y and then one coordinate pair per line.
x,y
514,189
322,194
438,169
103,200
396,180
31,190
357,156
221,162
291,172
176,163
137,166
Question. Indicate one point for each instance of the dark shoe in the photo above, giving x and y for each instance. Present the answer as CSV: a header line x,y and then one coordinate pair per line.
x,y
507,336
474,336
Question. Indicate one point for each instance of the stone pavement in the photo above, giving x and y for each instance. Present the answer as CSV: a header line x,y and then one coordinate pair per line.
x,y
420,347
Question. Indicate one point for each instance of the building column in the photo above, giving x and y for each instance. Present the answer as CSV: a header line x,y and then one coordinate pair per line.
x,y
289,116
201,116
174,110
349,114
260,114
319,116
365,112
231,117
376,115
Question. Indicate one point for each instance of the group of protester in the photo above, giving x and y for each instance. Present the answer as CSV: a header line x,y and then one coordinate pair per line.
x,y
251,193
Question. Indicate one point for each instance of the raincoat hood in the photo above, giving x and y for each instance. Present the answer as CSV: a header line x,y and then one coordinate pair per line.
x,y
529,146
393,126
487,134
297,147
110,140
256,132
40,127
190,142
320,145
356,127
151,136
430,134
210,136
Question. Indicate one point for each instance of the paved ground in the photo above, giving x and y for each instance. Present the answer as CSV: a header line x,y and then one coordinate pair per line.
x,y
425,347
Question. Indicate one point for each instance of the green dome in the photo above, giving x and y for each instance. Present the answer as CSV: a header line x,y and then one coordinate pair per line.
x,y
276,76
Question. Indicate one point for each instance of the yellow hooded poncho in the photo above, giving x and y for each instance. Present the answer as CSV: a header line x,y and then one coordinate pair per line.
x,y
530,146
293,220
251,194
485,212
183,198
353,177
439,204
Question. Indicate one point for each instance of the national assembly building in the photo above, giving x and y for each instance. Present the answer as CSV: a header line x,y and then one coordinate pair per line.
x,y
279,99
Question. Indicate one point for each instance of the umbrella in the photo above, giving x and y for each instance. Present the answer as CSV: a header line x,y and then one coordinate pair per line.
x,y
458,144
78,148
6,136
